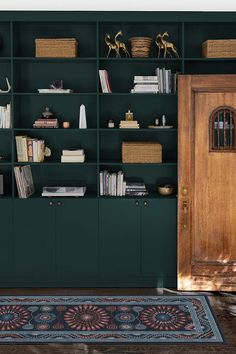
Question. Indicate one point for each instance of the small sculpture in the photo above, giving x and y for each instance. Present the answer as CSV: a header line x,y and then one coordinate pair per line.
x,y
8,87
121,45
47,114
129,116
163,44
82,117
116,45
57,85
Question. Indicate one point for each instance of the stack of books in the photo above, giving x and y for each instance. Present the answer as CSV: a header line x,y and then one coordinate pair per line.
x,y
73,155
63,191
24,181
112,184
167,80
46,123
5,116
137,189
105,82
145,84
129,124
29,149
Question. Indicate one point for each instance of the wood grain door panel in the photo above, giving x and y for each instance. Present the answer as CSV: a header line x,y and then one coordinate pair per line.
x,y
207,190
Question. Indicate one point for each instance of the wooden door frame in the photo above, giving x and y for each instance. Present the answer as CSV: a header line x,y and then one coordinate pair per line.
x,y
188,86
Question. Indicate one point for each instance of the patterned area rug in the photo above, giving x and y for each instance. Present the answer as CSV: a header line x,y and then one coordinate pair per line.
x,y
104,319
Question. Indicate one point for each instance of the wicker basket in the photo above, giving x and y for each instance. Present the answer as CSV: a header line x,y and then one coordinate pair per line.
x,y
56,47
141,152
219,48
140,47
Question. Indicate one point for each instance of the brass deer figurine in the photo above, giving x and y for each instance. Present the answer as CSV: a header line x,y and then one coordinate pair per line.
x,y
121,45
116,45
166,46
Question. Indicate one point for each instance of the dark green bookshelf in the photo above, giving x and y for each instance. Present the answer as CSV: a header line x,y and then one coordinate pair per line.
x,y
95,240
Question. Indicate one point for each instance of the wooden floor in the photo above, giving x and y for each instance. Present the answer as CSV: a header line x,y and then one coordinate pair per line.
x,y
224,305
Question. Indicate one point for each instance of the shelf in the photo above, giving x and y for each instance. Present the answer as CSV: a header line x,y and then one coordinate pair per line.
x,y
138,130
137,164
5,163
34,59
140,59
54,94
78,130
151,195
210,59
56,163
136,94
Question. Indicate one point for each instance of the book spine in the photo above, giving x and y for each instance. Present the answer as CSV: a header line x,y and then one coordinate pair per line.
x,y
30,149
101,182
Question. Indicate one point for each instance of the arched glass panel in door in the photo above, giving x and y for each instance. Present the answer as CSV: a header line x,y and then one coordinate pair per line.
x,y
222,130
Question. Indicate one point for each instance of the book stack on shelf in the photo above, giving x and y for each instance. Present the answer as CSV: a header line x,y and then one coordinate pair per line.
x,y
129,124
46,123
5,116
63,191
167,80
24,181
145,84
112,184
105,82
73,155
136,189
29,149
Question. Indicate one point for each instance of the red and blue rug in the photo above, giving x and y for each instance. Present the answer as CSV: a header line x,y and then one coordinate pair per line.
x,y
105,319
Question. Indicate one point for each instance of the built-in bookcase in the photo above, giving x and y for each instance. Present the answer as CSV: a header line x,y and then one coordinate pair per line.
x,y
102,145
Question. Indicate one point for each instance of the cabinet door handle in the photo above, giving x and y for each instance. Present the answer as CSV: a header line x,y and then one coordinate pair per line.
x,y
58,203
50,203
185,214
136,202
145,203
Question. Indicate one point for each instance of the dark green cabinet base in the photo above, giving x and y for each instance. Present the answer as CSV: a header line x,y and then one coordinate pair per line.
x,y
88,243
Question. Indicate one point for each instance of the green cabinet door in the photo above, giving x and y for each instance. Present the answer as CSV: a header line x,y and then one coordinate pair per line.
x,y
119,235
34,235
6,240
158,220
76,240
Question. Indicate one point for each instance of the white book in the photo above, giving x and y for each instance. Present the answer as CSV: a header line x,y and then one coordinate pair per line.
x,y
55,90
63,191
101,176
146,78
109,185
123,188
103,81
24,149
73,158
19,148
73,152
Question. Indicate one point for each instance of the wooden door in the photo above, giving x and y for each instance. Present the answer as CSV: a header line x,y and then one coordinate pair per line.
x,y
207,183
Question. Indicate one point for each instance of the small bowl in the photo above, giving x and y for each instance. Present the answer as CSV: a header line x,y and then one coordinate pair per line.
x,y
166,189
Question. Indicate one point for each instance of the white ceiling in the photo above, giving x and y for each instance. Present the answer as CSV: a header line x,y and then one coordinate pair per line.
x,y
130,5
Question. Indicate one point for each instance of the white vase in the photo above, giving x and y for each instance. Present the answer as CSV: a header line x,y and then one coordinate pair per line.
x,y
82,117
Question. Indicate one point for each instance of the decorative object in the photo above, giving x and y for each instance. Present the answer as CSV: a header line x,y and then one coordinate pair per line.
x,y
162,44
157,122
166,189
55,87
47,114
56,47
107,319
82,117
129,116
163,120
140,47
8,87
66,125
47,120
141,152
111,124
116,44
219,48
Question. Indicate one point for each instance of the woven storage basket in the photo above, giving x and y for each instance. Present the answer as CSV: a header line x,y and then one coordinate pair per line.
x,y
140,47
56,47
219,48
141,152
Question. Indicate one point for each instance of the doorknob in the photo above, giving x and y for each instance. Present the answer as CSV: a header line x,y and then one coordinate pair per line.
x,y
58,203
145,203
136,202
50,203
185,205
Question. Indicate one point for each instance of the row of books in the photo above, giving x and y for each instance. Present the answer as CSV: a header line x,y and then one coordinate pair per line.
x,y
29,149
46,123
24,181
167,80
5,116
105,82
73,155
114,185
